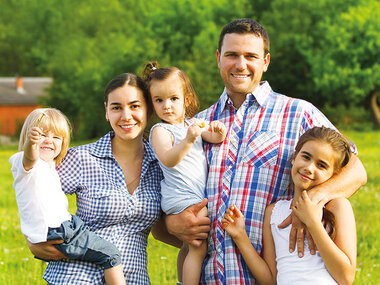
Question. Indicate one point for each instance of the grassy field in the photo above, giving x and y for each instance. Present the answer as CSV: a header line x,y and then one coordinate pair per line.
x,y
17,265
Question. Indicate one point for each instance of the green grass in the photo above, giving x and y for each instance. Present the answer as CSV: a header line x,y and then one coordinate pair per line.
x,y
17,265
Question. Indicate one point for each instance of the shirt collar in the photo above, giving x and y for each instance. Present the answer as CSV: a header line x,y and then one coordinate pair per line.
x,y
260,95
103,148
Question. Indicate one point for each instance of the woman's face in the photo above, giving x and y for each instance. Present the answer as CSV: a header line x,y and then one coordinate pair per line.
x,y
126,110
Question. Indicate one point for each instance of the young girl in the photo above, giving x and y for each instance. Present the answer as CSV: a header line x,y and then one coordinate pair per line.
x,y
320,153
177,141
43,206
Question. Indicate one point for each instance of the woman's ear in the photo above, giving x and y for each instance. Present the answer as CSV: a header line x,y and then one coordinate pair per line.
x,y
105,107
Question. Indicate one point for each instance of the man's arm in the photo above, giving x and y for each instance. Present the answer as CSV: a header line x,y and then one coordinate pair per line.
x,y
187,226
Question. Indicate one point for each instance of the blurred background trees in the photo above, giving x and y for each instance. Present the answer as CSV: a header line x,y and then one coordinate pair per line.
x,y
326,52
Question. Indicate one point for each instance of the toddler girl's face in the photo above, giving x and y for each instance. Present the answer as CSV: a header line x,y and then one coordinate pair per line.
x,y
168,100
50,146
313,165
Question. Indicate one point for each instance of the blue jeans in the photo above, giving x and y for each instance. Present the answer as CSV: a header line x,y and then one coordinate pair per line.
x,y
82,244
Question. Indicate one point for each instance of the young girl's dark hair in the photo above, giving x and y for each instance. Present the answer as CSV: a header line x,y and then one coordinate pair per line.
x,y
342,154
152,73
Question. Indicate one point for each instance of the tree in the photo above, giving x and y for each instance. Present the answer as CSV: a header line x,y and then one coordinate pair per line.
x,y
347,63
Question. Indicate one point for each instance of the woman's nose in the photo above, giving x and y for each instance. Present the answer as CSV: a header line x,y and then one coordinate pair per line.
x,y
126,114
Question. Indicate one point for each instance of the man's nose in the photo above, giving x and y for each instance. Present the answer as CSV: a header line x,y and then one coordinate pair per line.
x,y
241,63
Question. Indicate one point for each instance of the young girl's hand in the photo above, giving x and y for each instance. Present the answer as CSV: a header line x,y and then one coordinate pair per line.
x,y
307,211
233,222
34,135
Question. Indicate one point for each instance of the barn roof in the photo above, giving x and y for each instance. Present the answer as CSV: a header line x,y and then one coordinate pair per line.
x,y
33,87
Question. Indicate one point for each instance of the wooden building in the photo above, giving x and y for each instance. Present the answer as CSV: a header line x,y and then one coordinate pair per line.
x,y
18,97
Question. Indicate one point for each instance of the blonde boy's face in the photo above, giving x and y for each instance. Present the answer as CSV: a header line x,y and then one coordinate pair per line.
x,y
50,146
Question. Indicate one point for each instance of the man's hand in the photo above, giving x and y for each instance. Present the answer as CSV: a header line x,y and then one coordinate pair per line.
x,y
297,234
47,250
188,226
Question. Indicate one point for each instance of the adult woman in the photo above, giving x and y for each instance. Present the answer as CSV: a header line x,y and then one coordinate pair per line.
x,y
117,183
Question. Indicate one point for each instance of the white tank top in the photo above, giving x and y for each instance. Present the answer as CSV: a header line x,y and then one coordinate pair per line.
x,y
291,269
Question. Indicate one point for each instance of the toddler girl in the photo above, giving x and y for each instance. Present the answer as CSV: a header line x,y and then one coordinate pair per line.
x,y
177,142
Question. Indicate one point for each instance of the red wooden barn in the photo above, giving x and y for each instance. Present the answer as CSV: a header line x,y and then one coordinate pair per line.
x,y
18,97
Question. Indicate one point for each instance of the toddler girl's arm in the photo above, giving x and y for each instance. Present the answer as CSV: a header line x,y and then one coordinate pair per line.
x,y
263,269
216,132
31,151
168,154
339,254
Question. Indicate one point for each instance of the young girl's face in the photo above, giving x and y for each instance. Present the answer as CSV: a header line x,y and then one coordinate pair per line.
x,y
168,100
313,165
50,146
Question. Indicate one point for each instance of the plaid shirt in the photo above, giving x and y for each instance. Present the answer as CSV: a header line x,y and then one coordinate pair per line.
x,y
250,170
105,205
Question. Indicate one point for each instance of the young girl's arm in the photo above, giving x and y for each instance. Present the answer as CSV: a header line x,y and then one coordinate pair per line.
x,y
263,269
31,151
339,254
216,132
168,154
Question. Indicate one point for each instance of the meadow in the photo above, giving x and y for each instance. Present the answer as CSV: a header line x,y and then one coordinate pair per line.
x,y
18,266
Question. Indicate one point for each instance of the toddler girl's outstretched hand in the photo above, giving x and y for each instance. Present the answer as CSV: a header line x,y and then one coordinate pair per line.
x,y
234,222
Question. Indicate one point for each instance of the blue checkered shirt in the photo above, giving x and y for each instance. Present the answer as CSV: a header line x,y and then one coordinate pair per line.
x,y
251,169
105,205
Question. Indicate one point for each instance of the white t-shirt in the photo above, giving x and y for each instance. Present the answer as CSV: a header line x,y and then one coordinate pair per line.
x,y
40,199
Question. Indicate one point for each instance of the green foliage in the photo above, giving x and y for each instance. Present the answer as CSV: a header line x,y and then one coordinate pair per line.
x,y
347,63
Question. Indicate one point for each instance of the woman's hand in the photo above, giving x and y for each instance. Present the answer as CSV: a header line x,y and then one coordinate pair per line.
x,y
46,250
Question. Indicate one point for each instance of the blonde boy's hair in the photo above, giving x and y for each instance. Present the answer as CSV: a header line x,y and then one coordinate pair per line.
x,y
50,120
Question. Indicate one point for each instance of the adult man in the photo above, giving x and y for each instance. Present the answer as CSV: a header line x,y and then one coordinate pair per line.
x,y
252,169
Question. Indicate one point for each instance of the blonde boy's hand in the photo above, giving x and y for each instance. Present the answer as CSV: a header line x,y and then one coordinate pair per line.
x,y
34,135
234,222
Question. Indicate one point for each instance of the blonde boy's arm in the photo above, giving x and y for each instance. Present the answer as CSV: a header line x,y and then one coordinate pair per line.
x,y
31,151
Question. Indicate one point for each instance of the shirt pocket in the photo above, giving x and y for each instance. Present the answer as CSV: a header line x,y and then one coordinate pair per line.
x,y
262,149
102,205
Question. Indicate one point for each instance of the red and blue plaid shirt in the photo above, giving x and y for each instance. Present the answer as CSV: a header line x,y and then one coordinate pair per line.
x,y
251,169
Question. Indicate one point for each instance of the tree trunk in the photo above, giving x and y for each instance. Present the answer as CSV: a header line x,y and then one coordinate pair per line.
x,y
375,108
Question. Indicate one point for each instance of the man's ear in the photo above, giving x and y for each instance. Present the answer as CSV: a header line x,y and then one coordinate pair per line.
x,y
266,61
218,57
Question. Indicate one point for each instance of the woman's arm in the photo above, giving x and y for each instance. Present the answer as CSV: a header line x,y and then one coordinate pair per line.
x,y
46,250
339,255
168,154
263,269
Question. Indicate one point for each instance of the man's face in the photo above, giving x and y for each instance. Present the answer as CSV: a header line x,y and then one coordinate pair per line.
x,y
241,62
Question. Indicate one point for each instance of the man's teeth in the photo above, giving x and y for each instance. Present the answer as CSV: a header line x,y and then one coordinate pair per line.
x,y
240,76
